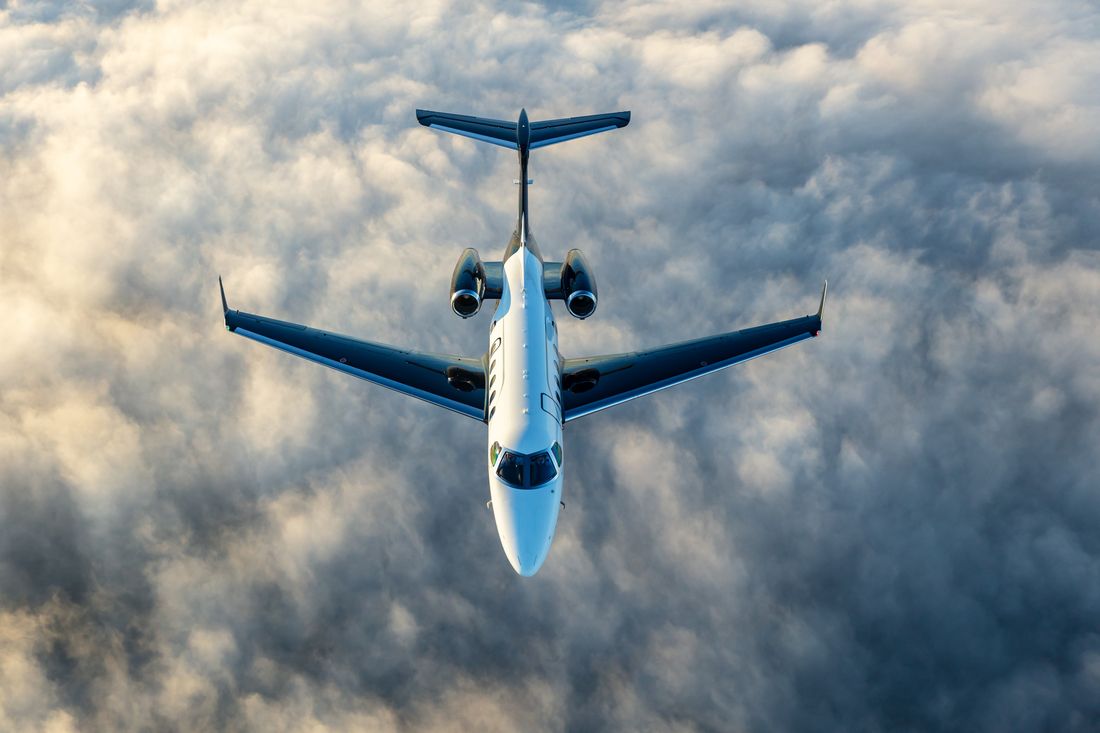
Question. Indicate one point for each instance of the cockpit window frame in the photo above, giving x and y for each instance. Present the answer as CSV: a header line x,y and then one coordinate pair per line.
x,y
527,463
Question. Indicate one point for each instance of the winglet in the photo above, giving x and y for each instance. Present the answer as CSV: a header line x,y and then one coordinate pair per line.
x,y
230,325
820,308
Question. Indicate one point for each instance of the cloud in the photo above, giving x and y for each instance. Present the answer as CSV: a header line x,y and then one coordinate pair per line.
x,y
889,527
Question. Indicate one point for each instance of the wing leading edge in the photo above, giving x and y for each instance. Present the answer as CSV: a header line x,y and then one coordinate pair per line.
x,y
596,383
454,382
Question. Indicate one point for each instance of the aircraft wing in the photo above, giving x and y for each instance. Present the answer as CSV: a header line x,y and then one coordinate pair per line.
x,y
598,382
454,382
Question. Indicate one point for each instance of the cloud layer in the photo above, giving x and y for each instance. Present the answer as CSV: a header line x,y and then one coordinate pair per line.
x,y
892,527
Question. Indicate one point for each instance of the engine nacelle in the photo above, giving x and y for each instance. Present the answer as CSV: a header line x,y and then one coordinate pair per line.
x,y
468,284
578,285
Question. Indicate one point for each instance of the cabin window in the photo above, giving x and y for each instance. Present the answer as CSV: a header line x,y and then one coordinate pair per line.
x,y
556,450
494,452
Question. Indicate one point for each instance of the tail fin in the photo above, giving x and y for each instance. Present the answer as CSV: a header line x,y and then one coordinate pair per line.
x,y
507,134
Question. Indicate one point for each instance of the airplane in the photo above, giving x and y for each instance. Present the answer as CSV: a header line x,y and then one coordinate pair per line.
x,y
521,387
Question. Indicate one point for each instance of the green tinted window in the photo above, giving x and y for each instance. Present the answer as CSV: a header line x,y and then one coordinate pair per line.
x,y
556,450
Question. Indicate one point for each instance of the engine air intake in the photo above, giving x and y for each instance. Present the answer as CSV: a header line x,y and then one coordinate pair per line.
x,y
578,285
468,284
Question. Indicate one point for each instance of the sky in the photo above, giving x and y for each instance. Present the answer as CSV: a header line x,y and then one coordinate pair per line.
x,y
892,527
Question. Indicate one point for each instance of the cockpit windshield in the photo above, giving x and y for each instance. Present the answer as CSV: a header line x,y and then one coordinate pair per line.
x,y
526,472
511,468
542,468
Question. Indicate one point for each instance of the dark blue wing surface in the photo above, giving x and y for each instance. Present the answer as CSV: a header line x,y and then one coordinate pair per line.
x,y
548,132
598,382
454,382
497,132
543,133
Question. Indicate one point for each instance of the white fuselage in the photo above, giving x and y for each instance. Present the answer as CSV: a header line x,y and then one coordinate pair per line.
x,y
524,413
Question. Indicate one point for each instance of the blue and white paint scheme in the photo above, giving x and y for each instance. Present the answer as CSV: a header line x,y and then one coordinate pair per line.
x,y
526,418
522,387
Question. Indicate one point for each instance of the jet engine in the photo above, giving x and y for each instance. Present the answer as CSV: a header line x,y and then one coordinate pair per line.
x,y
578,285
468,284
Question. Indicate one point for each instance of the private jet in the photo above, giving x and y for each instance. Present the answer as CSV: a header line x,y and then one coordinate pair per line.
x,y
521,387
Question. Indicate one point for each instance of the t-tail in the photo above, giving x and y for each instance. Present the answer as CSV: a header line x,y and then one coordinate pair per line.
x,y
523,136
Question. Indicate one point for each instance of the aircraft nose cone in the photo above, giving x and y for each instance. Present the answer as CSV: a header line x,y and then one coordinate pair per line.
x,y
525,519
529,556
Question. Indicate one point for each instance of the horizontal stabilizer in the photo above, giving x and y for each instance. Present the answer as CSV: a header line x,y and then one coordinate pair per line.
x,y
548,132
497,132
508,134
